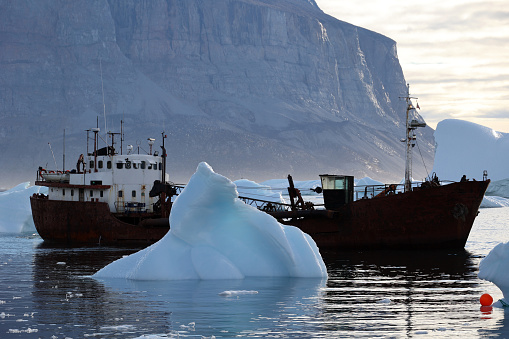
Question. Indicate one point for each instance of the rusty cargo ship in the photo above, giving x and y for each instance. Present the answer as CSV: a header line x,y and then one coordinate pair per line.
x,y
121,199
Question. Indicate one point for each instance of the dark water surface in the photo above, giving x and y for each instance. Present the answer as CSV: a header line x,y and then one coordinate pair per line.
x,y
46,293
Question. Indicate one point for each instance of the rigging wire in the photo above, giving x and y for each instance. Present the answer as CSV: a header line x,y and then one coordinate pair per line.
x,y
422,158
51,149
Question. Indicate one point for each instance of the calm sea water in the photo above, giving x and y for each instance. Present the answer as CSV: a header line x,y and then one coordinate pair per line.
x,y
45,293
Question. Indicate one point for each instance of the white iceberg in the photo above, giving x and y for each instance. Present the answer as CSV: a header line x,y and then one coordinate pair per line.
x,y
15,210
466,148
214,235
367,181
495,268
499,188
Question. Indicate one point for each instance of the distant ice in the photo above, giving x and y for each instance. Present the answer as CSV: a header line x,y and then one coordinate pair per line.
x,y
15,210
367,181
251,189
495,268
464,147
499,188
214,235
305,186
490,202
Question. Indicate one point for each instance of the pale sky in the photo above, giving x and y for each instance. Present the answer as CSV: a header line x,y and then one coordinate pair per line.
x,y
454,53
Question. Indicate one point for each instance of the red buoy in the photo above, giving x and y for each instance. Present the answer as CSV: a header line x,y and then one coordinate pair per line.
x,y
486,299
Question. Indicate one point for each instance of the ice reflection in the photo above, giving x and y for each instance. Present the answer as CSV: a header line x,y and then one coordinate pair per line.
x,y
67,302
198,306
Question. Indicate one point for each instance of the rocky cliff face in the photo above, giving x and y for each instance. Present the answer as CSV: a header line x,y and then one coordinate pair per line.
x,y
257,88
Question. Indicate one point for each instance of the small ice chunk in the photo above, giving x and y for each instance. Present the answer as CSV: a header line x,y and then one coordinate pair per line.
x,y
235,293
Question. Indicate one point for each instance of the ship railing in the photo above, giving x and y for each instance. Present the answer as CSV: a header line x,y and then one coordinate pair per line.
x,y
179,189
371,191
131,207
266,206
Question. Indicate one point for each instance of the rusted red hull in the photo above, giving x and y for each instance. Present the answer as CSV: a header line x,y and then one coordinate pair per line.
x,y
438,217
92,223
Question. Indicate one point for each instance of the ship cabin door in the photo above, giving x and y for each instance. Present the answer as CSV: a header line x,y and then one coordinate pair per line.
x,y
337,190
82,194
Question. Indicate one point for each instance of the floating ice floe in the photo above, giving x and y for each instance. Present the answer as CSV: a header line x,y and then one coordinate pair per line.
x,y
236,293
214,235
495,268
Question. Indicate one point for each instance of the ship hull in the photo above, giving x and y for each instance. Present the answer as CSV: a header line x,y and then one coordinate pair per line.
x,y
438,217
92,223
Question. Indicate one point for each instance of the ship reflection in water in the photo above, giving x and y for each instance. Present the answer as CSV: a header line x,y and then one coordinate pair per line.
x,y
369,293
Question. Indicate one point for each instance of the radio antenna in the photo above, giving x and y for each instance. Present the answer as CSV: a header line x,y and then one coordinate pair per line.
x,y
102,89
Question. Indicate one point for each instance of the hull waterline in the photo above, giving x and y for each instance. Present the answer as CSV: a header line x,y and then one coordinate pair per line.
x,y
92,223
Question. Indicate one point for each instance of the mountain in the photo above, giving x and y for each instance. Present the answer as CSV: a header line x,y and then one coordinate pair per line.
x,y
256,88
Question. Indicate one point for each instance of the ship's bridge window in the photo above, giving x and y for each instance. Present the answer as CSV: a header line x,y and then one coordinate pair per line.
x,y
160,166
134,194
339,184
91,163
72,193
63,191
143,164
120,194
136,165
108,164
100,164
332,182
120,165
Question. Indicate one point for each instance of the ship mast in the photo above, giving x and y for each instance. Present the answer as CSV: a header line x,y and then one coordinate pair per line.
x,y
411,125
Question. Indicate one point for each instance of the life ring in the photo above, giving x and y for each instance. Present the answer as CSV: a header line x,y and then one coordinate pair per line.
x,y
59,172
51,172
42,170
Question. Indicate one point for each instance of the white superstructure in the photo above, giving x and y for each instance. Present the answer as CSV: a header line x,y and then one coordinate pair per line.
x,y
122,181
